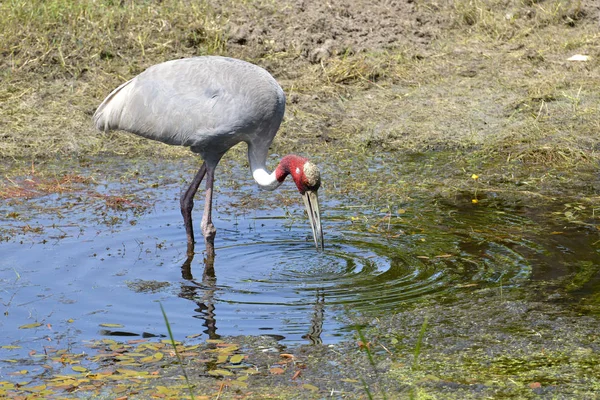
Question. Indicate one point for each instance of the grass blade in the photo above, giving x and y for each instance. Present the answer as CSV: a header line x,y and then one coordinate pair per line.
x,y
187,381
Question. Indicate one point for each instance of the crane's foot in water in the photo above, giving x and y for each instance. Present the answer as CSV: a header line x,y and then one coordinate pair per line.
x,y
209,232
190,248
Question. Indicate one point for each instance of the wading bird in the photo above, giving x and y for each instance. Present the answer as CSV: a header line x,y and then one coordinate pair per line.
x,y
211,104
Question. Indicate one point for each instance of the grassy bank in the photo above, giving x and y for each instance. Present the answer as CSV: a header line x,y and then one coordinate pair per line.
x,y
489,80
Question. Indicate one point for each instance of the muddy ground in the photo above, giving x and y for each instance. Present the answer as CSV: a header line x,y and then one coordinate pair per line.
x,y
484,85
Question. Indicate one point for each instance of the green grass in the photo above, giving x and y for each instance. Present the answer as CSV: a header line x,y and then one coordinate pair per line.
x,y
491,84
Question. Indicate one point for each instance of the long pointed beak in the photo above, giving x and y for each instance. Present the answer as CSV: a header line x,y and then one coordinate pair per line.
x,y
311,201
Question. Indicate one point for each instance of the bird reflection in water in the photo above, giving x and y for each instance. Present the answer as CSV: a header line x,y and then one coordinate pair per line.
x,y
316,322
203,294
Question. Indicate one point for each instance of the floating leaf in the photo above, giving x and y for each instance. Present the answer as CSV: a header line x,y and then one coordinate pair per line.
x,y
236,359
168,341
136,354
10,347
36,388
194,336
238,383
78,368
222,358
251,371
30,326
234,366
219,372
276,371
310,387
112,325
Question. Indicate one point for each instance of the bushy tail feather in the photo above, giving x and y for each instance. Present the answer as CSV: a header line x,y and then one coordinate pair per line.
x,y
108,113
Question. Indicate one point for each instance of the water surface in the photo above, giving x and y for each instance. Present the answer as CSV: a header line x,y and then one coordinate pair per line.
x,y
87,266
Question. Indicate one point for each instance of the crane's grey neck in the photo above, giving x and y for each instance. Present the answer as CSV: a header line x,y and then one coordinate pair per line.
x,y
265,180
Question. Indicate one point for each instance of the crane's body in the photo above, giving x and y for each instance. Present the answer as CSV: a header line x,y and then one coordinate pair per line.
x,y
210,104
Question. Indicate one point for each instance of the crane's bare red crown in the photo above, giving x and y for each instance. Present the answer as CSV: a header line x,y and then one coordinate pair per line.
x,y
306,175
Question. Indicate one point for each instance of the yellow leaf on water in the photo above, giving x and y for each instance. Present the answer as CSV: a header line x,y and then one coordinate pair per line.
x,y
238,383
10,347
222,358
168,341
310,387
112,325
131,372
78,368
36,388
158,356
135,354
30,326
219,372
236,358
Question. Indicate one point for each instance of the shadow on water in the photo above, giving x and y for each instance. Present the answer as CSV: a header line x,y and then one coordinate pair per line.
x,y
92,270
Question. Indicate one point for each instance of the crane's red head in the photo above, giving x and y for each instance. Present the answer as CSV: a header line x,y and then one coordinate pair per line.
x,y
307,177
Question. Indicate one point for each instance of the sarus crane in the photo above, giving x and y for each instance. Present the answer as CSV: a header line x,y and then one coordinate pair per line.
x,y
210,104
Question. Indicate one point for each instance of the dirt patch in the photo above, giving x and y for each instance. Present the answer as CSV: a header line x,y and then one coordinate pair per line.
x,y
318,31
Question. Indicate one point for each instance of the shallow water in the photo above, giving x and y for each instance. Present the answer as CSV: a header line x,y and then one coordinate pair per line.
x,y
92,271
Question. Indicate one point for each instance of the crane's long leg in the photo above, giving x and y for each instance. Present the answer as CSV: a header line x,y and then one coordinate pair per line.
x,y
187,204
208,229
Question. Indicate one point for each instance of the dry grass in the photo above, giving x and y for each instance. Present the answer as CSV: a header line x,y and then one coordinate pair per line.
x,y
492,83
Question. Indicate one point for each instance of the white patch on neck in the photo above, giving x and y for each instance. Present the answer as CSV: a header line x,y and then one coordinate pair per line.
x,y
265,180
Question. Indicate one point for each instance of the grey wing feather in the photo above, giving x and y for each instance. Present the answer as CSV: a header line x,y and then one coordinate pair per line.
x,y
203,102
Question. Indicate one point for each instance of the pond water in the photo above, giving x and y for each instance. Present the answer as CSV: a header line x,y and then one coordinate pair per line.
x,y
86,265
